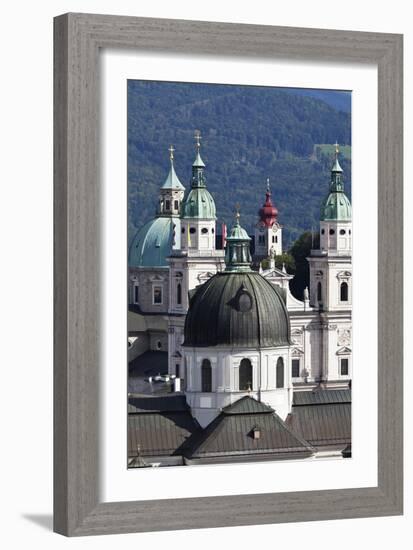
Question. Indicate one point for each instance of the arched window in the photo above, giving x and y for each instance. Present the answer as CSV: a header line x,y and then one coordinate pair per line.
x,y
206,375
179,294
280,373
319,292
245,375
344,292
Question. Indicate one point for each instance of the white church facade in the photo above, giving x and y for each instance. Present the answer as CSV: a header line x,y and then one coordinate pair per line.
x,y
180,286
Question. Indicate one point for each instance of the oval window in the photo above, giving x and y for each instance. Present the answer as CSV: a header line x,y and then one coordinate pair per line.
x,y
183,230
342,231
331,231
192,230
322,231
244,302
204,230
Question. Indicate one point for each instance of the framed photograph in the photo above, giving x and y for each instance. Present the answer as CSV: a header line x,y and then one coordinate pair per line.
x,y
228,333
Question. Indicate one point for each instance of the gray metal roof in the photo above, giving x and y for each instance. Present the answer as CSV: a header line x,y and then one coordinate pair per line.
x,y
247,405
216,319
230,434
322,425
159,434
160,404
319,397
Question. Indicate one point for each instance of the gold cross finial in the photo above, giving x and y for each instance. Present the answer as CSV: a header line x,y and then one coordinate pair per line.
x,y
197,137
171,152
337,148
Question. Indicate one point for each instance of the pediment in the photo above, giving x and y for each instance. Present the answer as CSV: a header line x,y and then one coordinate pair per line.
x,y
344,351
297,351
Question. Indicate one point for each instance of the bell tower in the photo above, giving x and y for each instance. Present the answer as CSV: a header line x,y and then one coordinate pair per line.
x,y
330,266
195,260
268,232
172,191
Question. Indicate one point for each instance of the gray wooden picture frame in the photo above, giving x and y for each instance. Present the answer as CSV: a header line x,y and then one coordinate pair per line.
x,y
78,40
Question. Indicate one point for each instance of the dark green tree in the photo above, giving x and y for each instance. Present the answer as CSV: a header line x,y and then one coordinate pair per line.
x,y
300,251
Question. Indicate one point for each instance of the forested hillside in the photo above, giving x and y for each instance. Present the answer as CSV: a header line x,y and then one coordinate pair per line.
x,y
248,134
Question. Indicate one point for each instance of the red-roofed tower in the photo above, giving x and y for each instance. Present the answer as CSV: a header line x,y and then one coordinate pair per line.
x,y
268,232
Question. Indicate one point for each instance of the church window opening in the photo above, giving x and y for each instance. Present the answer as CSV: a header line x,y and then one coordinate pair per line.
x,y
136,294
261,239
344,292
167,205
295,368
342,231
349,231
159,344
344,366
331,231
176,205
322,231
276,238
212,230
179,294
183,230
192,230
319,292
157,295
206,376
273,238
280,373
204,230
245,375
177,370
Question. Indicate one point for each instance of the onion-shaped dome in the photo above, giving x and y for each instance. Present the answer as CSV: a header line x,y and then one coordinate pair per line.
x,y
199,204
268,212
153,243
336,207
237,310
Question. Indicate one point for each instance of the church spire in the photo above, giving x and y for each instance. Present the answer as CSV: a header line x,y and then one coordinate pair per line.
x,y
336,185
172,180
198,177
237,250
268,212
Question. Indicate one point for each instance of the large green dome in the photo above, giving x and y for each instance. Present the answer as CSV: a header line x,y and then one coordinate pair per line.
x,y
336,207
153,243
237,310
199,204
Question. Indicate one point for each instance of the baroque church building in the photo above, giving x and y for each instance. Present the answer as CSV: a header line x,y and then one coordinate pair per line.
x,y
237,349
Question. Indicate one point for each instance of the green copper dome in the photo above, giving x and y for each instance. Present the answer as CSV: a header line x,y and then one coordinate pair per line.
x,y
153,243
199,204
337,206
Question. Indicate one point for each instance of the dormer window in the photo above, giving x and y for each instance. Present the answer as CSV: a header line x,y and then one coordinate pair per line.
x,y
256,432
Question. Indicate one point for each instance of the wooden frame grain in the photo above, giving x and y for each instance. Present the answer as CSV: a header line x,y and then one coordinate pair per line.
x,y
78,39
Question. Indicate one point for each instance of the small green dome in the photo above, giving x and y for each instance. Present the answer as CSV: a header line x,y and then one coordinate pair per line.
x,y
199,204
336,207
153,243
